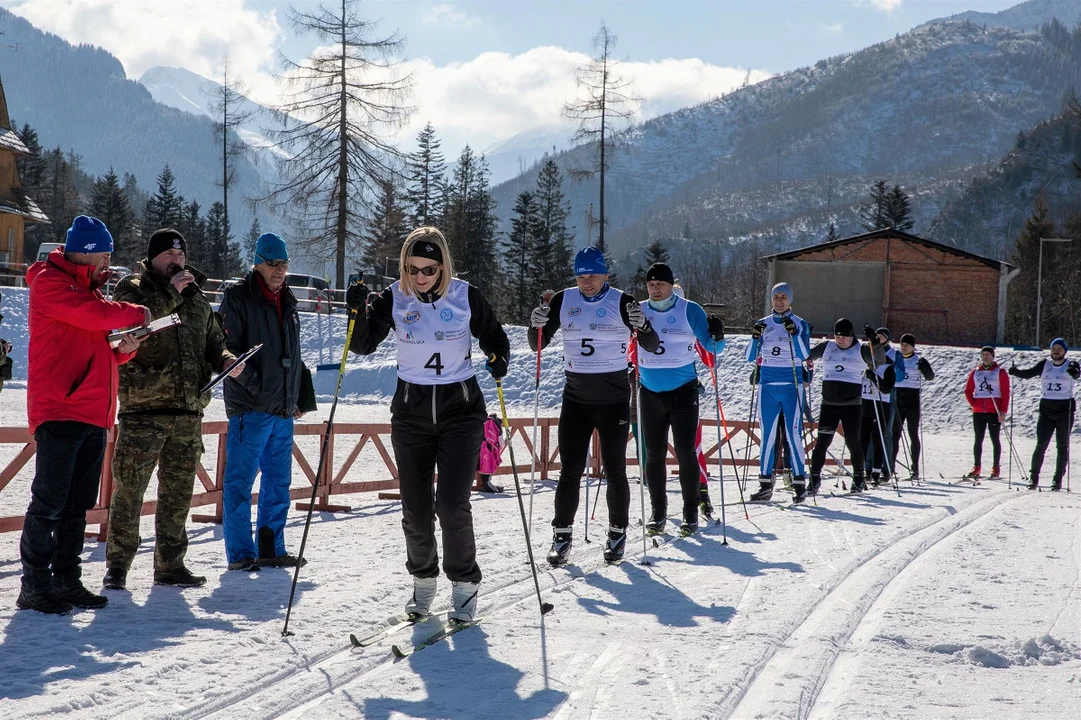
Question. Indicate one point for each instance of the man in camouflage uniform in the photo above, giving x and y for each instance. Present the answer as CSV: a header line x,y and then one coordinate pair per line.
x,y
161,411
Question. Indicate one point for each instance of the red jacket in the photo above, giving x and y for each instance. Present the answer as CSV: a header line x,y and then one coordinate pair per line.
x,y
988,389
72,369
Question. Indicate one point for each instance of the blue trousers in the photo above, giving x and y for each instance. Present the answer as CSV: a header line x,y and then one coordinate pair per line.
x,y
257,442
773,400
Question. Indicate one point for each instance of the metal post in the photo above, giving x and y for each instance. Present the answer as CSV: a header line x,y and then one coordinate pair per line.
x,y
1039,296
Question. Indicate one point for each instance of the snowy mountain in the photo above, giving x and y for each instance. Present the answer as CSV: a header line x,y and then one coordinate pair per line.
x,y
780,159
1030,15
195,94
513,156
78,97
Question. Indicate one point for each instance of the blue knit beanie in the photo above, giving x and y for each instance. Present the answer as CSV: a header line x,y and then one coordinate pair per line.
x,y
88,235
1060,341
784,289
590,261
270,247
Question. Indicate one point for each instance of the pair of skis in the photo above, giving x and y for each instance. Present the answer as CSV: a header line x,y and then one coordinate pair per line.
x,y
447,628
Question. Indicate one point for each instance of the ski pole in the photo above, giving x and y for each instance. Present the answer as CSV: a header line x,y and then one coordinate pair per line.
x,y
720,452
544,606
589,458
597,496
728,439
319,471
797,450
878,419
536,415
641,448
755,380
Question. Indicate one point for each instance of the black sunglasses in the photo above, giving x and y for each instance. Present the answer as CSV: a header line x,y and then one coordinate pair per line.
x,y
426,271
276,263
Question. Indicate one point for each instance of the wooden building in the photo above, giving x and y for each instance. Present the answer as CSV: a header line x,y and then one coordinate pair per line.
x,y
16,208
909,284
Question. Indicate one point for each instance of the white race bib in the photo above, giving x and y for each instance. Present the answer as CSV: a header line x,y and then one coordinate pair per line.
x,y
434,344
1055,382
676,347
594,336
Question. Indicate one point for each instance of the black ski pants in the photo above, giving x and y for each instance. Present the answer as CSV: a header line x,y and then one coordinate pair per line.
x,y
876,440
438,428
676,409
908,418
577,421
829,416
65,486
981,423
1056,417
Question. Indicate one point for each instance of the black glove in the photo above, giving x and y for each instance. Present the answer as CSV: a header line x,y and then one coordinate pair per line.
x,y
356,296
1073,369
870,335
754,376
790,325
497,366
925,367
870,375
758,329
1013,370
716,328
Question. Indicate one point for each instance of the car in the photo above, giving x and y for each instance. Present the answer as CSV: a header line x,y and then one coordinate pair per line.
x,y
119,272
312,293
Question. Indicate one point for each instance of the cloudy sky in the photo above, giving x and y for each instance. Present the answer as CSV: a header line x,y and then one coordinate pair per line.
x,y
486,69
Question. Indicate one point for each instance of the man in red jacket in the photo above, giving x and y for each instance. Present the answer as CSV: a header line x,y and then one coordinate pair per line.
x,y
71,403
988,394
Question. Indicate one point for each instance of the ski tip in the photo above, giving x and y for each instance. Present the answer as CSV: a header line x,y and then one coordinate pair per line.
x,y
397,652
354,640
655,544
547,608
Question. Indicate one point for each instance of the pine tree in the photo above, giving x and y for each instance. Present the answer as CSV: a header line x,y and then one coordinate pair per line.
x,y
875,214
59,199
249,241
470,221
386,229
602,245
831,236
552,260
1021,308
222,255
164,208
109,203
193,228
32,174
655,252
426,169
899,209
519,251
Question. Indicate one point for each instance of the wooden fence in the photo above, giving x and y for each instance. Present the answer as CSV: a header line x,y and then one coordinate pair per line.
x,y
336,479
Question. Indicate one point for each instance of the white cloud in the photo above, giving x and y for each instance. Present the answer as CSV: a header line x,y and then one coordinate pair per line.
x,y
834,28
496,95
887,6
193,34
448,15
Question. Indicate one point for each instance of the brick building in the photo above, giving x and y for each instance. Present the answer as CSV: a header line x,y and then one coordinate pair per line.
x,y
907,283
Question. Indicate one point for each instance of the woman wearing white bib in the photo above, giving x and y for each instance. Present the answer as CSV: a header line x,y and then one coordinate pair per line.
x,y
438,412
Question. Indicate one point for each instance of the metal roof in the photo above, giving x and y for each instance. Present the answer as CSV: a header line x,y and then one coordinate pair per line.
x,y
888,233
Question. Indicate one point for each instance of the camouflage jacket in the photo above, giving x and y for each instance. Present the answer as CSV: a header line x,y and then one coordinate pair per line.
x,y
171,366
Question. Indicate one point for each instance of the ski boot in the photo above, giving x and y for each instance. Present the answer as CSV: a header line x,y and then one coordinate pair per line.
x,y
799,486
995,474
816,483
656,524
561,547
1056,484
876,478
973,474
1033,483
615,544
688,528
463,597
420,604
764,492
858,485
703,501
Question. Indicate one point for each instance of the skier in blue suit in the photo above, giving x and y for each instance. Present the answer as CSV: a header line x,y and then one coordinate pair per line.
x,y
780,343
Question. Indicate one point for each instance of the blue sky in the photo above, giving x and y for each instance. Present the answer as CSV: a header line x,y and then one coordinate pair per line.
x,y
488,70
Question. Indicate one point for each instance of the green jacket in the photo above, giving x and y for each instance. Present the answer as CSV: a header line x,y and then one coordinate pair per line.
x,y
172,366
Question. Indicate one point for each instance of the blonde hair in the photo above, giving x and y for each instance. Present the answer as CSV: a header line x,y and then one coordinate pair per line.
x,y
427,233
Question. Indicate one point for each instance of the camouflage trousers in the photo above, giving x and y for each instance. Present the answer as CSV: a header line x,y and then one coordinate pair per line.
x,y
174,443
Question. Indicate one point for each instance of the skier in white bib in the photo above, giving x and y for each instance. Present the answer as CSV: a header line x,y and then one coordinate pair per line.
x,y
1057,409
988,393
596,321
438,411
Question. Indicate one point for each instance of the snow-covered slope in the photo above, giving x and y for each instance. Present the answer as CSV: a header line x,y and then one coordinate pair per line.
x,y
511,157
1029,15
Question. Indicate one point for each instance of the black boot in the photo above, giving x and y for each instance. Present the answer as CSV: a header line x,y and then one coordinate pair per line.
x,y
615,544
561,547
816,483
1056,484
800,490
115,579
80,597
703,501
658,519
1033,482
858,485
764,493
180,577
45,601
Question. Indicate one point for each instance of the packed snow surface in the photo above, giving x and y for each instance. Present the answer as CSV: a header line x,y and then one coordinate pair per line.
x,y
940,601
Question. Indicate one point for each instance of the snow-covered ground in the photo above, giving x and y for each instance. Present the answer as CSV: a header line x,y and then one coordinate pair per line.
x,y
944,602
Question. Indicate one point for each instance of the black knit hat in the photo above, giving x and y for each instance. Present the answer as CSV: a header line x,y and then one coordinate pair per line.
x,y
660,271
884,332
909,339
844,328
987,348
165,239
426,249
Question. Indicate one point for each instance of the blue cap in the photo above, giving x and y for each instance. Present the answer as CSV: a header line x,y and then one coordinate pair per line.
x,y
1060,341
88,235
784,289
270,247
590,261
